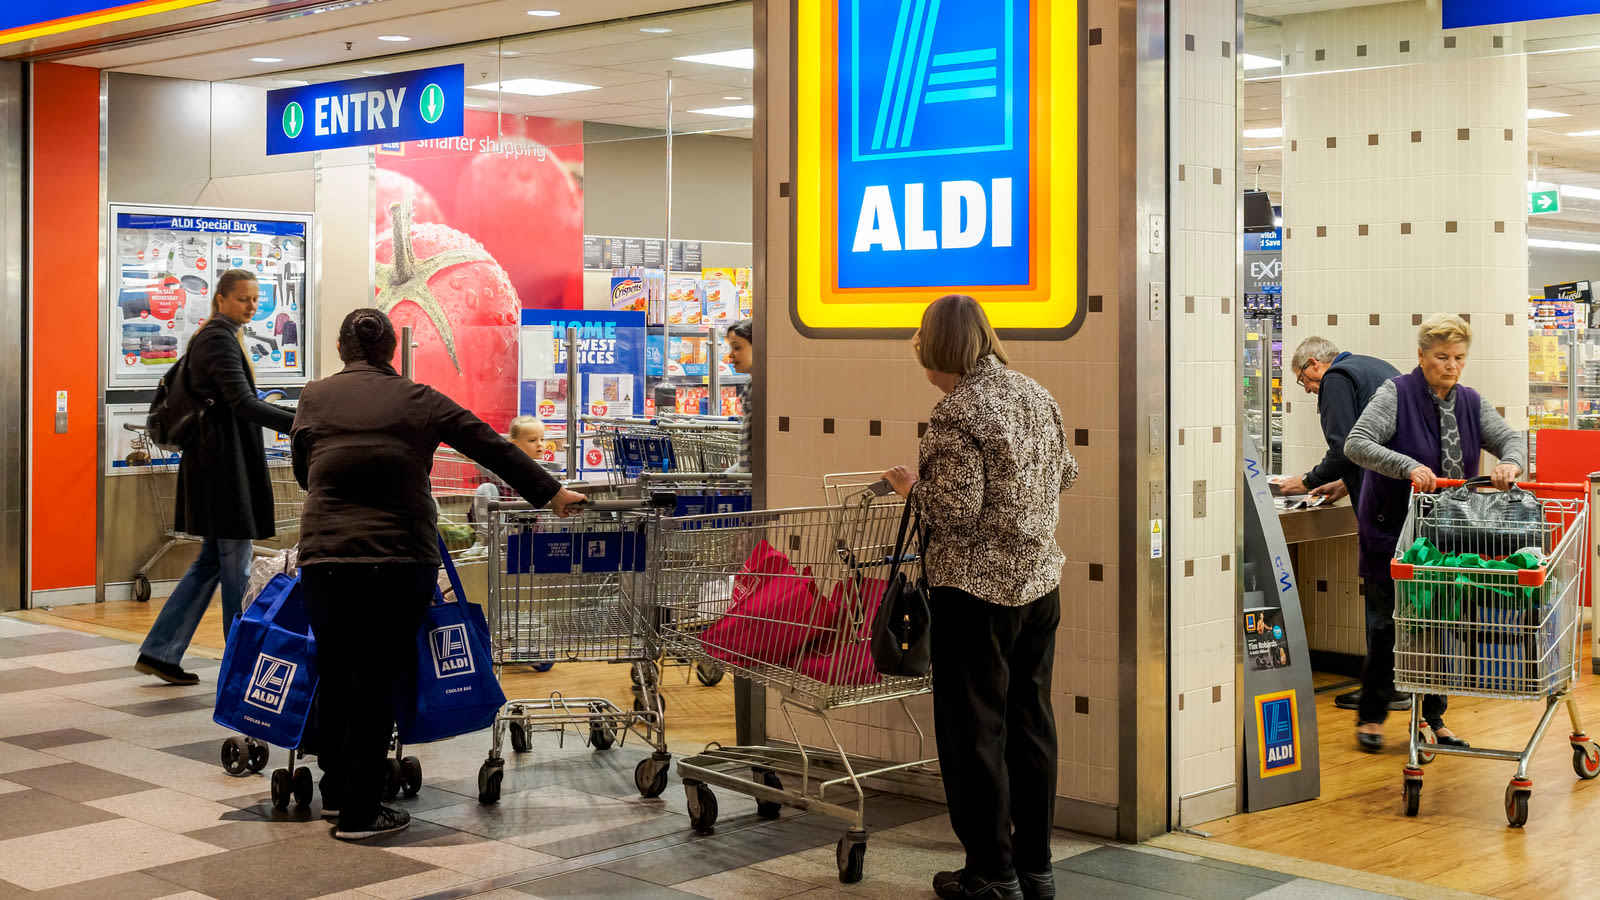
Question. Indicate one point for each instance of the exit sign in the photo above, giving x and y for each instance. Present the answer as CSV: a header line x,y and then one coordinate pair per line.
x,y
1543,202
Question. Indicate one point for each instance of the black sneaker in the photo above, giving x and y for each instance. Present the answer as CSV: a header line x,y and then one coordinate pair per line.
x,y
961,886
171,673
1351,700
1400,702
1038,885
387,820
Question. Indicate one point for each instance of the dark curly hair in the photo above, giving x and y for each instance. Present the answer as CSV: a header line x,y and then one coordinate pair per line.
x,y
367,335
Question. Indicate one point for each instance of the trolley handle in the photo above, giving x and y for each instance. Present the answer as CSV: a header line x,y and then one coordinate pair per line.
x,y
1558,487
656,500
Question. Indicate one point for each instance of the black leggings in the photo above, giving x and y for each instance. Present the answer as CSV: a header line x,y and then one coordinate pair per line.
x,y
1377,678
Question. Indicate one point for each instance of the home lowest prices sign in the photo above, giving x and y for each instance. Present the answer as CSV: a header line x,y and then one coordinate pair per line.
x,y
165,265
938,152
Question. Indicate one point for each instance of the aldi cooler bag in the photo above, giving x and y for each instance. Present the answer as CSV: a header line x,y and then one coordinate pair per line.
x,y
269,671
455,691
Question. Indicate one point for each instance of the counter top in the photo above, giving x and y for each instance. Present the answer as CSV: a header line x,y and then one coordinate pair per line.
x,y
1302,525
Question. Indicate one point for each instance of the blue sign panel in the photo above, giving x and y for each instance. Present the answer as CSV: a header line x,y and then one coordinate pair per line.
x,y
407,106
934,169
1278,736
1467,13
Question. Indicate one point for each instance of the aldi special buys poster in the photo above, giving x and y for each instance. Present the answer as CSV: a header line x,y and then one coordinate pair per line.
x,y
165,265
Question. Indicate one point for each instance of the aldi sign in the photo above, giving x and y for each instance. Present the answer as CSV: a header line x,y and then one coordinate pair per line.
x,y
407,106
1467,13
1277,733
938,153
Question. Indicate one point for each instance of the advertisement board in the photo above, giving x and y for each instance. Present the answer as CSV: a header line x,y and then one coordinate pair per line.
x,y
164,267
938,151
611,363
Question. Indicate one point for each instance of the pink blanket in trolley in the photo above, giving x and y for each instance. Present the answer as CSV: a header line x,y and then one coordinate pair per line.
x,y
775,613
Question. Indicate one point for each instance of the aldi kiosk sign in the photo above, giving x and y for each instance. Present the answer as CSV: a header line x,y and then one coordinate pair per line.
x,y
938,153
1467,13
382,109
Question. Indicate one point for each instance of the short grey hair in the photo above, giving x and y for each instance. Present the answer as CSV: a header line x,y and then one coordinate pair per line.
x,y
1318,348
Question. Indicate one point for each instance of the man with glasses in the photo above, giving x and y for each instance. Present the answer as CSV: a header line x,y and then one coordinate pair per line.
x,y
1343,384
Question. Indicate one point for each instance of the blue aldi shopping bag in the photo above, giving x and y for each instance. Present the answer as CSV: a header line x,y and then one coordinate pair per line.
x,y
269,672
456,691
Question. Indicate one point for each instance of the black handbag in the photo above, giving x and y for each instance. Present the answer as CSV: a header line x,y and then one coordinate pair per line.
x,y
1466,520
901,644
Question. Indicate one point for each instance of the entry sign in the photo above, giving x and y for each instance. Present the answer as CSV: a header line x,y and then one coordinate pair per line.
x,y
938,153
1543,202
406,106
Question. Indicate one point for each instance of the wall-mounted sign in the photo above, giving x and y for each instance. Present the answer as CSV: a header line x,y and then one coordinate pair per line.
x,y
938,152
1543,203
1467,13
420,105
38,18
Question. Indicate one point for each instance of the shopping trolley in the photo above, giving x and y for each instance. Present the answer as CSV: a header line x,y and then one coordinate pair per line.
x,y
702,445
1490,609
161,482
575,590
792,592
667,443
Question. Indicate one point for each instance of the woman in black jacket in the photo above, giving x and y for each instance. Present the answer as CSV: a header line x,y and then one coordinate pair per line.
x,y
224,494
364,441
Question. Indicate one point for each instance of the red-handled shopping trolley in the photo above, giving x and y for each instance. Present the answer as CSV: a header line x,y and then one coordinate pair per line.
x,y
1489,608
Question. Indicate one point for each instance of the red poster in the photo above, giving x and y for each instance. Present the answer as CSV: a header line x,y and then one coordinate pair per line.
x,y
166,298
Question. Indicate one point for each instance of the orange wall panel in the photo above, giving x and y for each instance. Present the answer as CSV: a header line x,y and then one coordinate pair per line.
x,y
65,317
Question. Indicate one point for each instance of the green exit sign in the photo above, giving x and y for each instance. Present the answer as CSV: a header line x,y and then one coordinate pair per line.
x,y
1543,202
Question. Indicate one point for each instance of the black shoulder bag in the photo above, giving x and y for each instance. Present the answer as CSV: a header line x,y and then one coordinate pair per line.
x,y
176,412
901,644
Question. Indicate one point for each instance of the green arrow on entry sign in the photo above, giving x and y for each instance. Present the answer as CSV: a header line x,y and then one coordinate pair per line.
x,y
1543,202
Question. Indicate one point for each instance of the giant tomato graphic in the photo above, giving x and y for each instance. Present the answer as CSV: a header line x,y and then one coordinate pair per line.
x,y
529,214
396,187
463,311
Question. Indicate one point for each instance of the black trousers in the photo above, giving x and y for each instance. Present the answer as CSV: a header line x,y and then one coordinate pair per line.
x,y
365,618
996,728
1377,676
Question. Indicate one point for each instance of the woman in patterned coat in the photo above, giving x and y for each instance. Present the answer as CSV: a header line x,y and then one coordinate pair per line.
x,y
992,467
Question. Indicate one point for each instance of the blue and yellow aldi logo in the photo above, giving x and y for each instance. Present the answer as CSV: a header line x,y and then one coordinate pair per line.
x,y
1277,733
938,151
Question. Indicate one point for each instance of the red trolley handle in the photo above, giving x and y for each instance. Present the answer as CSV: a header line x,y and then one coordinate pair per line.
x,y
1527,486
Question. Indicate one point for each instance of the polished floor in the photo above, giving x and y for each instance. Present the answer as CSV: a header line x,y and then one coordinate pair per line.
x,y
110,788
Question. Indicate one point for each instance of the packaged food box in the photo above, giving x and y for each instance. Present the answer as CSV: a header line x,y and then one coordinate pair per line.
x,y
685,305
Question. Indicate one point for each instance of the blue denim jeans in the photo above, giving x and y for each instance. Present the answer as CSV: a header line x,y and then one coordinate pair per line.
x,y
222,560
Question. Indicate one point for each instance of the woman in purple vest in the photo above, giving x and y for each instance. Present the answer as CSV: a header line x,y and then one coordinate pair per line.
x,y
1419,427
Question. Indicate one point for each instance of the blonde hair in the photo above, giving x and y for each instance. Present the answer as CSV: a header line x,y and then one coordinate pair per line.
x,y
955,335
1444,329
226,283
526,423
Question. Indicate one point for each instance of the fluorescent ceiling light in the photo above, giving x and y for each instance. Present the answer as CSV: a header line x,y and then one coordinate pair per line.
x,y
374,71
1574,190
505,54
732,112
293,82
741,98
733,59
1263,132
544,13
656,30
395,38
1252,62
1259,149
535,87
1546,114
1592,133
1584,246
266,59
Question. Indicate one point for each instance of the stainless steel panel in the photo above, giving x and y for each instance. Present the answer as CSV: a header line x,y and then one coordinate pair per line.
x,y
13,341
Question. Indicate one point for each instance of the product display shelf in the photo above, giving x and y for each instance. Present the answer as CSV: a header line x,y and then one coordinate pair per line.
x,y
1563,380
1261,378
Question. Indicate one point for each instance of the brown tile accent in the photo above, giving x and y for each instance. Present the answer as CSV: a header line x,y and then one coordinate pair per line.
x,y
794,543
1080,437
922,429
1188,568
1293,146
1288,406
1216,434
1080,705
1333,142
1510,134
1294,320
1467,318
783,423
875,428
1096,303
1322,55
1180,703
1449,42
1372,140
1183,173
1463,134
1180,437
1333,318
1322,586
1362,230
1501,410
1188,42
1405,46
1097,572
1361,589
1288,233
1499,228
1188,304
1216,176
1216,693
1372,319
1322,231
1227,562
827,426
1227,306
1511,318
1499,42
1416,319
1227,50
1416,137
1361,49
1095,37
1405,227
1449,228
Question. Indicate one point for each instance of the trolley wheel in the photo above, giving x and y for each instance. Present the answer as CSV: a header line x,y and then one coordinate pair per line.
x,y
258,754
702,807
709,673
410,776
1425,736
602,731
644,672
300,784
490,774
235,756
519,737
1517,794
543,667
768,778
282,790
1413,795
391,778
1585,759
852,856
650,776
141,588
640,706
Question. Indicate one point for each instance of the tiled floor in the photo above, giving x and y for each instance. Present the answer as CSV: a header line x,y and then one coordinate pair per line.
x,y
110,788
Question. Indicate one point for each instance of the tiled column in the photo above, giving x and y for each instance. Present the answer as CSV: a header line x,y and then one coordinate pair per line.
x,y
1405,180
1204,321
